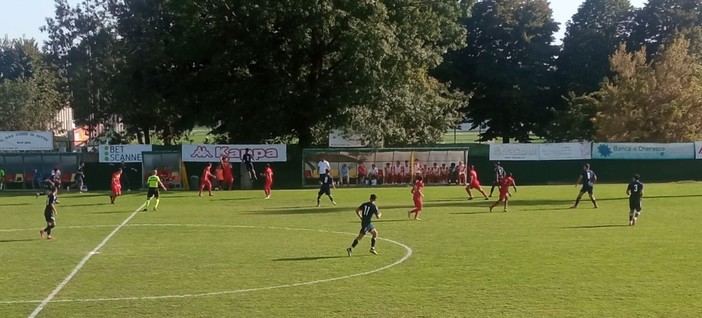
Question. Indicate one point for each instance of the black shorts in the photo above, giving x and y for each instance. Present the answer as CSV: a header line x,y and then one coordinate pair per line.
x,y
48,215
153,192
587,188
635,204
326,191
366,228
249,166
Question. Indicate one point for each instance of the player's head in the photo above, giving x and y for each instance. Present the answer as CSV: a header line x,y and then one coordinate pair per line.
x,y
509,174
418,178
247,150
155,172
119,170
209,164
586,166
268,165
82,163
497,164
373,197
636,177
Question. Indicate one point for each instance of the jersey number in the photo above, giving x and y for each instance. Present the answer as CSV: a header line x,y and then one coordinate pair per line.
x,y
366,210
636,188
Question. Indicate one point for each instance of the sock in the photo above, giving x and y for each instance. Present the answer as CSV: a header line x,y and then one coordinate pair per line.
x,y
331,199
373,242
355,242
577,201
156,205
48,230
148,202
318,197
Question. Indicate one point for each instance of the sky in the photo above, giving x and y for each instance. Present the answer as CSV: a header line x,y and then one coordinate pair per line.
x,y
23,18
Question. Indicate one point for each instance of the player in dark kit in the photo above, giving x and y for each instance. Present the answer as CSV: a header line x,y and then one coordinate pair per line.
x,y
50,214
365,212
635,193
327,183
588,178
247,159
499,174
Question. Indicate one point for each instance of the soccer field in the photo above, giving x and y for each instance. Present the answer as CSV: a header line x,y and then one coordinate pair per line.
x,y
237,255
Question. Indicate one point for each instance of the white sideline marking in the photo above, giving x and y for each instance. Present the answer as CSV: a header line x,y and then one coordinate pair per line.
x,y
81,264
407,255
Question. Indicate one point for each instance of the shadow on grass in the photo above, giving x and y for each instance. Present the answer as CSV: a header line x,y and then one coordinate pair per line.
x,y
595,226
14,204
18,240
111,212
79,205
477,212
311,258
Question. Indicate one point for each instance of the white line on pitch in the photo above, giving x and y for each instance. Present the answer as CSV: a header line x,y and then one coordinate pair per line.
x,y
81,264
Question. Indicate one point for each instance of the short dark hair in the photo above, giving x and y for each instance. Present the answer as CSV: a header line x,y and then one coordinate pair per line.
x,y
373,197
637,176
418,178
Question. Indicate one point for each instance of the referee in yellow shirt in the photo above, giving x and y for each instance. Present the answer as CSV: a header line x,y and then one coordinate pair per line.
x,y
153,182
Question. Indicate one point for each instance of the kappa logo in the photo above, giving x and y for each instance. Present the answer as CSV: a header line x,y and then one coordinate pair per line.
x,y
201,152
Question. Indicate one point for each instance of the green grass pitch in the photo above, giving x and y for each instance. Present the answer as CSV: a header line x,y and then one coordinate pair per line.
x,y
238,255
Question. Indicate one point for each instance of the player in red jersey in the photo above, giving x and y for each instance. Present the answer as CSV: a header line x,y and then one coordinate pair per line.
x,y
116,185
205,179
417,196
505,183
227,172
268,177
474,183
398,173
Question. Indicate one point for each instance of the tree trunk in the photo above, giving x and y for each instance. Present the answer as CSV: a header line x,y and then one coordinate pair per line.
x,y
147,136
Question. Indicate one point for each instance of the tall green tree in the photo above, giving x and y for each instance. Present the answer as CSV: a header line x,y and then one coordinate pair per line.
x,y
30,95
661,21
658,101
507,66
591,37
300,68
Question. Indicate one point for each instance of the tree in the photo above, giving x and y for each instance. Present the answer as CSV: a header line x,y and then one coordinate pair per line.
x,y
662,21
592,36
297,69
257,70
575,122
507,66
29,92
658,101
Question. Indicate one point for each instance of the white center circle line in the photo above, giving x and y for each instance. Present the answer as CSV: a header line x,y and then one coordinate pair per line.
x,y
406,256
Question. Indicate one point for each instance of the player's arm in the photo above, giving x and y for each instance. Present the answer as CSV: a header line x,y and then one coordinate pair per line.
x,y
162,186
421,192
358,212
378,214
53,208
628,190
577,182
514,185
594,178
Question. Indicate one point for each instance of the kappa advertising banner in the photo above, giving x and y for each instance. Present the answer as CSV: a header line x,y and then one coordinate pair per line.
x,y
566,151
26,140
698,149
643,151
212,153
118,153
514,152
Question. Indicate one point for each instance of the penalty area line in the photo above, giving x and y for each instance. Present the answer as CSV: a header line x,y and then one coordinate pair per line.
x,y
81,264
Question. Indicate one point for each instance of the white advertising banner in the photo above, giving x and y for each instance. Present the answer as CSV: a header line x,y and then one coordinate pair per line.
x,y
643,151
566,151
119,153
514,152
698,149
26,140
212,153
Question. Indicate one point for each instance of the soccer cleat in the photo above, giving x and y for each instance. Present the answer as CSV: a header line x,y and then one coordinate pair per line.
x,y
491,208
574,207
505,210
334,203
50,237
348,251
633,222
470,198
417,219
144,210
373,251
155,209
41,233
486,198
409,214
268,197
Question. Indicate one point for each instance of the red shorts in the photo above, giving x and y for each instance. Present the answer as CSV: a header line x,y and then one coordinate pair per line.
x,y
474,185
504,196
116,190
268,185
206,183
418,202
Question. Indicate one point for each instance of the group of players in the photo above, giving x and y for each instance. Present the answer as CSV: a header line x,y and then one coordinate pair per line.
x,y
367,210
